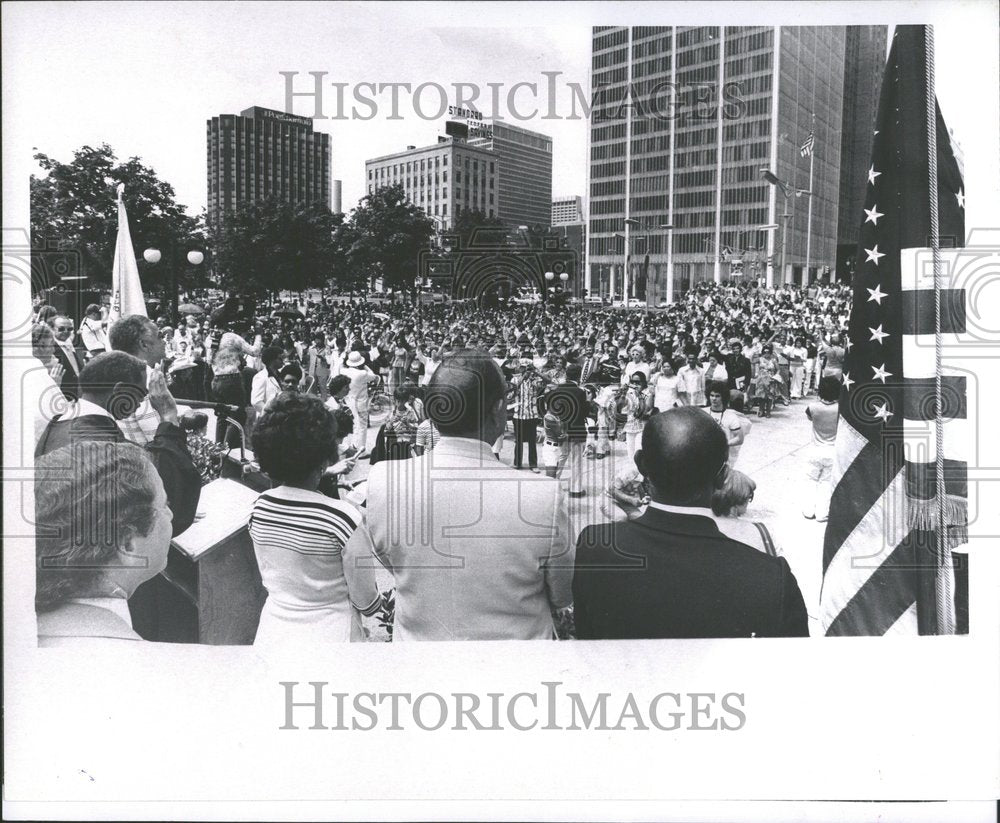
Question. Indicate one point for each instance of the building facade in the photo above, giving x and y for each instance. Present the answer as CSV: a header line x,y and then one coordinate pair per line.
x,y
525,184
261,153
683,172
567,210
443,179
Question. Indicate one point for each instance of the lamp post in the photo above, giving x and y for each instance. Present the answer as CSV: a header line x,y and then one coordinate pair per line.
x,y
153,256
788,190
549,277
769,268
645,231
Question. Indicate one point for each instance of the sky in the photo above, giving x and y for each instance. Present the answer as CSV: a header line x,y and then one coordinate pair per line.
x,y
144,77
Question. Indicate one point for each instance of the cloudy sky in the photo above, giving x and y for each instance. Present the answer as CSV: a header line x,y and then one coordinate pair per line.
x,y
144,77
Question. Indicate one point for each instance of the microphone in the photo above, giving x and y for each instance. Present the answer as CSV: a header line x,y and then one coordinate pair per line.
x,y
221,409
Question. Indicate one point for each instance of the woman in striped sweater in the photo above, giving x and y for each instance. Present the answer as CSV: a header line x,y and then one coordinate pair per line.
x,y
313,597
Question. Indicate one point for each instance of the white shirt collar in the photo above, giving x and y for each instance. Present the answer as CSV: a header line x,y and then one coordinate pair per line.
x,y
83,407
118,606
696,511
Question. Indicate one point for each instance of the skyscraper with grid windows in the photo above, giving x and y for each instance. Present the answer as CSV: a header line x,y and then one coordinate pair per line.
x,y
684,120
262,153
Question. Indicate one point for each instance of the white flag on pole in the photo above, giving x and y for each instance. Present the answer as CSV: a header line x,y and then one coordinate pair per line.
x,y
126,290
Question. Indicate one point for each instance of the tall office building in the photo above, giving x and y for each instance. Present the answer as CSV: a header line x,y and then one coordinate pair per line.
x,y
442,179
864,62
567,210
694,178
525,183
262,153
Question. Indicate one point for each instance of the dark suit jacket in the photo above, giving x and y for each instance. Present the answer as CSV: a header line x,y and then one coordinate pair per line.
x,y
668,575
168,450
70,384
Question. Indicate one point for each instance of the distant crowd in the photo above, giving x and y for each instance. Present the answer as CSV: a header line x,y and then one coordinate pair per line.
x,y
425,390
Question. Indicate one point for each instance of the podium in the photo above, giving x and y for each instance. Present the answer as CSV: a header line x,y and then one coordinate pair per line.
x,y
211,591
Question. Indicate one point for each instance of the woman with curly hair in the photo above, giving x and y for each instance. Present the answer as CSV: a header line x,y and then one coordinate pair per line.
x,y
299,534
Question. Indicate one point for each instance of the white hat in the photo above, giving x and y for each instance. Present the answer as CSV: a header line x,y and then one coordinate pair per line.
x,y
355,359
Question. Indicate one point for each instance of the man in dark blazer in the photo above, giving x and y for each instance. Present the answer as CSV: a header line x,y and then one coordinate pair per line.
x,y
112,386
671,573
70,358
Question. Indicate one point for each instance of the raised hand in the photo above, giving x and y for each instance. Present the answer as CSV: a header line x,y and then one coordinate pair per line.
x,y
160,397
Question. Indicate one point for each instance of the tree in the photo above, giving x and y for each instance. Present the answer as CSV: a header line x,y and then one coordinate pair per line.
x,y
74,212
270,245
385,237
473,226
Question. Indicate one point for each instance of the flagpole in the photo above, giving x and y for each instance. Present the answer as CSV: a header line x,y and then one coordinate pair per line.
x,y
945,611
809,219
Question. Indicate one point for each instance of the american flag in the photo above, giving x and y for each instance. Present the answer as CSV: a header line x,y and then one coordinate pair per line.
x,y
807,148
879,548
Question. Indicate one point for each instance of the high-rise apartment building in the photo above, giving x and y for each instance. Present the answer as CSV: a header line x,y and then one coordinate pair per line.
x,y
262,153
525,181
687,171
567,210
443,179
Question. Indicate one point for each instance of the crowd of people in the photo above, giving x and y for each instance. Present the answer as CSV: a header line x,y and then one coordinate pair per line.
x,y
679,386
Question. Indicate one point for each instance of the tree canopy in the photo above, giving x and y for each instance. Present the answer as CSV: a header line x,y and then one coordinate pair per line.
x,y
269,245
384,238
74,215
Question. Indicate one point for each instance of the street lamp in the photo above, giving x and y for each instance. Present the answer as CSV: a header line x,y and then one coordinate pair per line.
x,y
788,190
549,277
153,256
669,228
769,267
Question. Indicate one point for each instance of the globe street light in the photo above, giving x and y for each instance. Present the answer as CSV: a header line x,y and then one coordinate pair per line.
x,y
153,256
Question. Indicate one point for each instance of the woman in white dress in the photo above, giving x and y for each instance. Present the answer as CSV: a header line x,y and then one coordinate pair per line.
x,y
665,388
299,534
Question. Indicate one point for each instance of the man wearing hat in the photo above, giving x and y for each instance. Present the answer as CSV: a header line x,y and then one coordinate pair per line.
x,y
357,398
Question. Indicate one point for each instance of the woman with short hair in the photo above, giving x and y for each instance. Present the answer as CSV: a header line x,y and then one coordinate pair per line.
x,y
104,528
299,534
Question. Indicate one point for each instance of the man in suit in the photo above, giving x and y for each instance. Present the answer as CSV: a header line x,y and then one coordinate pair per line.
x,y
477,550
590,361
671,573
112,386
69,357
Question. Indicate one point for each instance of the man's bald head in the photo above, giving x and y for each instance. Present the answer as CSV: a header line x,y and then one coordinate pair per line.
x,y
464,395
684,454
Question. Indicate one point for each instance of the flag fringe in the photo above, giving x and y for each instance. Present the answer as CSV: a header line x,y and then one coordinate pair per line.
x,y
923,515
